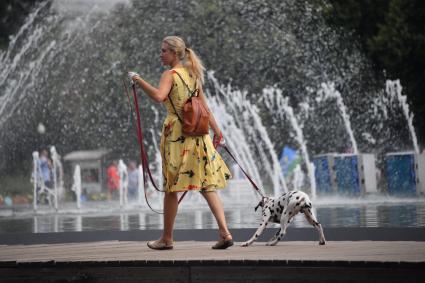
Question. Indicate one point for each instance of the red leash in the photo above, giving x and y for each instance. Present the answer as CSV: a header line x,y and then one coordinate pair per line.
x,y
143,155
246,174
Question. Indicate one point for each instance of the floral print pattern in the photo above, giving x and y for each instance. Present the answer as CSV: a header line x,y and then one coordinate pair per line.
x,y
188,163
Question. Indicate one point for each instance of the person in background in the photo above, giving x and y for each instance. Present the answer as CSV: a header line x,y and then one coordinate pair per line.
x,y
46,168
113,180
133,180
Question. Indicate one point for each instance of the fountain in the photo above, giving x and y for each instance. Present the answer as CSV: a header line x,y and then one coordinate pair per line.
x,y
57,171
405,170
394,89
328,91
63,69
40,190
349,173
140,191
283,108
236,115
36,178
55,29
298,179
76,185
123,185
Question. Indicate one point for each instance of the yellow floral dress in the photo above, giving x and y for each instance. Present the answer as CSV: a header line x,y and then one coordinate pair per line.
x,y
188,163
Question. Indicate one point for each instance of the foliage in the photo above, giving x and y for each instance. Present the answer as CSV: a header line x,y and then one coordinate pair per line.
x,y
16,184
392,33
12,16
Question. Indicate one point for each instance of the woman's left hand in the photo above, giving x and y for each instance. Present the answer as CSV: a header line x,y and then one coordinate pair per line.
x,y
218,140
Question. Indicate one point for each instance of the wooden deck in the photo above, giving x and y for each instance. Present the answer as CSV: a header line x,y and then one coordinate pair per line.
x,y
201,251
195,261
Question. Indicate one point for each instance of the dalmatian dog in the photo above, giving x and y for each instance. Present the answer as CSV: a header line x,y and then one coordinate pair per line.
x,y
281,210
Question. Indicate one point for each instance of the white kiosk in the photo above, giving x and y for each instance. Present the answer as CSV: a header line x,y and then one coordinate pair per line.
x,y
92,164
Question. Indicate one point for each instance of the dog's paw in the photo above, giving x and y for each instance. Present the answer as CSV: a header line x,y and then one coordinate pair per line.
x,y
245,244
274,238
271,243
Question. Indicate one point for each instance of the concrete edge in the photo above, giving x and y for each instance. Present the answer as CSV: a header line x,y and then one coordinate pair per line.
x,y
204,263
239,235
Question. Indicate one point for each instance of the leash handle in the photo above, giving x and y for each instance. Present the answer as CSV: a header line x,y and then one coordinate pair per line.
x,y
246,174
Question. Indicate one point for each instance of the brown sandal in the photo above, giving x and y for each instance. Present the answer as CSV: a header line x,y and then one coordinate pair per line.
x,y
223,243
159,245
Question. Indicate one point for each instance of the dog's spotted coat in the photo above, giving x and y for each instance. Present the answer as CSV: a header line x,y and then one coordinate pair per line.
x,y
281,210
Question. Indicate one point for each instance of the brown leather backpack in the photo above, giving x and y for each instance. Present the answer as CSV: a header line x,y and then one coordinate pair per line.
x,y
196,117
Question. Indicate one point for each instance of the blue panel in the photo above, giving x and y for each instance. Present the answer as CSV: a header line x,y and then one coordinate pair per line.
x,y
347,175
289,159
322,175
401,174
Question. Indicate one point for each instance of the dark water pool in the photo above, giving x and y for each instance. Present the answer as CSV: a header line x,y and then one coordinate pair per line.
x,y
334,212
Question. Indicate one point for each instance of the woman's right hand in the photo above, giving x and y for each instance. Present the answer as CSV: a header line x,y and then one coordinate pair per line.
x,y
132,75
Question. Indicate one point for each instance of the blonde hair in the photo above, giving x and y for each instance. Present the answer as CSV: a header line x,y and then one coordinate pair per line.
x,y
189,58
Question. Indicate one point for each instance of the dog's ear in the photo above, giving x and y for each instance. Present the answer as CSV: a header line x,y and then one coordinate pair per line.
x,y
261,203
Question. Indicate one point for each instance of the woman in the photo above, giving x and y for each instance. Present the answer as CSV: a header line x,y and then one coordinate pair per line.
x,y
188,163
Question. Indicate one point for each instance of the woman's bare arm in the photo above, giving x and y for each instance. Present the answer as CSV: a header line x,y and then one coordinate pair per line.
x,y
158,94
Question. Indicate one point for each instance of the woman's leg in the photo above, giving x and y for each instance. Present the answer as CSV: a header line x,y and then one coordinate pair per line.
x,y
170,212
216,207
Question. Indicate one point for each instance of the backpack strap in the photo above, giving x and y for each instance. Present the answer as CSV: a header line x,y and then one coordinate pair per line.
x,y
191,93
175,111
172,104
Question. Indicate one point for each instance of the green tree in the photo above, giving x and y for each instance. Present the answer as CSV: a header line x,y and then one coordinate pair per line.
x,y
399,48
392,33
12,15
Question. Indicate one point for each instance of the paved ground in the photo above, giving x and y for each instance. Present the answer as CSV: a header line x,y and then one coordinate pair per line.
x,y
193,250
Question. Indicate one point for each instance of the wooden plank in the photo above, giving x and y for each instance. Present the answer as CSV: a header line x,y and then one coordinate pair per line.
x,y
244,274
97,274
